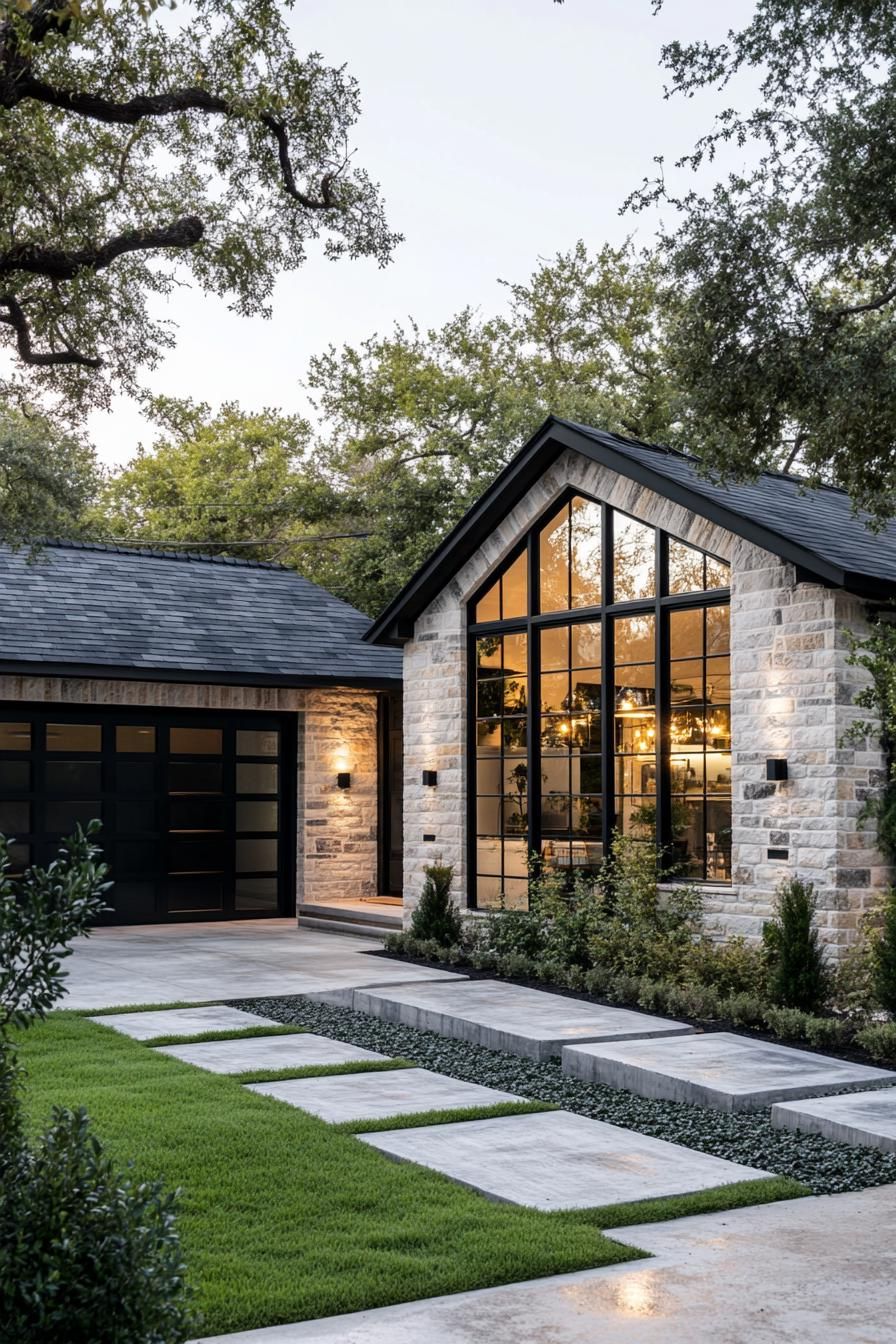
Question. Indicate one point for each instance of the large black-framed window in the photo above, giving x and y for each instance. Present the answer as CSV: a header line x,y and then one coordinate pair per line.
x,y
599,692
197,806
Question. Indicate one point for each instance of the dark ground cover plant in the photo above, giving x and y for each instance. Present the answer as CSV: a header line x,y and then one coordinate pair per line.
x,y
87,1255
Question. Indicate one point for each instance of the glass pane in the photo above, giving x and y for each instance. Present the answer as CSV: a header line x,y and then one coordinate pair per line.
x,y
200,894
718,772
718,574
555,648
19,858
489,697
136,814
488,655
585,732
688,727
73,776
488,815
634,639
257,742
134,900
586,690
718,839
489,774
256,893
515,695
256,816
74,737
516,806
585,578
686,682
555,814
555,774
586,774
685,568
199,776
636,774
718,680
634,559
15,736
637,817
686,634
488,608
196,854
515,589
555,732
718,637
256,855
689,837
136,856
515,655
488,856
15,776
553,563
516,858
488,737
516,893
488,893
135,776
256,778
555,692
686,772
636,731
15,818
586,644
196,813
197,741
129,738
718,728
587,817
62,817
514,737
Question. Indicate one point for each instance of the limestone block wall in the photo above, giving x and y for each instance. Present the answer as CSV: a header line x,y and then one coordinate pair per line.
x,y
792,693
336,830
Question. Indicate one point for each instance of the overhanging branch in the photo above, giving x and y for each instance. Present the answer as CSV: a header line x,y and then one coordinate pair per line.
x,y
15,318
58,264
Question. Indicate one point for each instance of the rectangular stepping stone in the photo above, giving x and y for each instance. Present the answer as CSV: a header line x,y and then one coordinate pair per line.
x,y
867,1119
376,1096
521,1021
298,1051
556,1160
182,1021
718,1069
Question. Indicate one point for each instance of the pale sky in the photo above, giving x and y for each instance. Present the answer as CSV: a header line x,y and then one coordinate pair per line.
x,y
500,131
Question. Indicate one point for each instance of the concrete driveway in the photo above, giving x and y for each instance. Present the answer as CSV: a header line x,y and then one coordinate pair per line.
x,y
162,963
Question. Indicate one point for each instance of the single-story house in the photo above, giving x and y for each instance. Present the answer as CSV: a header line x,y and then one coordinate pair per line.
x,y
608,640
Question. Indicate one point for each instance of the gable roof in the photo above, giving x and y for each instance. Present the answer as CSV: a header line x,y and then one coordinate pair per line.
x,y
815,529
88,609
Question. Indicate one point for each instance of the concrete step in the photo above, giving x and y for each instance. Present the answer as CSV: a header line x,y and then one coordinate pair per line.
x,y
371,922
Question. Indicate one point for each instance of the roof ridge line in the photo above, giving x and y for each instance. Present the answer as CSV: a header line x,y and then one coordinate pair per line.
x,y
158,553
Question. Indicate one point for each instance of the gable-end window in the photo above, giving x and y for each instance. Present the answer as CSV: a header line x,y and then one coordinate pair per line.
x,y
601,702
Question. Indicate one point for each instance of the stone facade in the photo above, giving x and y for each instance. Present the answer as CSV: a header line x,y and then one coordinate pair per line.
x,y
336,831
792,694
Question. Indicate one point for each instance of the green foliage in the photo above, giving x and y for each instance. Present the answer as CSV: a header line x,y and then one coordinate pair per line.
x,y
884,956
87,1255
797,973
731,967
47,478
785,270
879,1039
142,148
436,916
877,654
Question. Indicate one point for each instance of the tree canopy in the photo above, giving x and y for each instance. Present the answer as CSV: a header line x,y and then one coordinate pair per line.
x,y
47,478
786,270
141,149
410,427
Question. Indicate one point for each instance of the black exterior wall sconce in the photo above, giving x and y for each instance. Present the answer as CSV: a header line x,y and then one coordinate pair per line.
x,y
430,778
776,768
344,779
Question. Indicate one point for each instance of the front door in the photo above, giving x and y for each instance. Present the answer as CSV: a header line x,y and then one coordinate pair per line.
x,y
391,773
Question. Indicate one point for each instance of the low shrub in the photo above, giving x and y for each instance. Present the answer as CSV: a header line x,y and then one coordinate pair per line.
x,y
884,956
852,982
829,1033
730,967
879,1039
788,1024
743,1010
797,975
436,916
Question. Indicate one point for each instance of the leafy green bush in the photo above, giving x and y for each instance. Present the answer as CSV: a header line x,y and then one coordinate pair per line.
x,y
87,1256
788,1024
852,982
829,1033
436,915
744,1010
731,967
879,1039
884,956
797,973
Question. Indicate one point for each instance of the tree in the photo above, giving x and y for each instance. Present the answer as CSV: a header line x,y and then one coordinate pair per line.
x,y
239,483
47,478
138,147
786,269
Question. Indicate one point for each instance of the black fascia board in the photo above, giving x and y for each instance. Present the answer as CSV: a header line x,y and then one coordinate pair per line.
x,y
545,446
27,667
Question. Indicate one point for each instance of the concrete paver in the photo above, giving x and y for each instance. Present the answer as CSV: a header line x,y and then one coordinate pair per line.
x,y
300,1050
375,1096
182,1021
505,1017
864,1118
718,1069
557,1160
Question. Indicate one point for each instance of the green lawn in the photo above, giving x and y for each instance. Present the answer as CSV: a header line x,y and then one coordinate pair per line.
x,y
284,1218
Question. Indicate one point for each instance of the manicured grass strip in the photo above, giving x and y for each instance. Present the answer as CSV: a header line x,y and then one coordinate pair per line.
x,y
143,1007
283,1218
421,1118
739,1195
322,1070
224,1034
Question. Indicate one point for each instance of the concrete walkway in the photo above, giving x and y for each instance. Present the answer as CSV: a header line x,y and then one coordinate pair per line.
x,y
810,1271
166,963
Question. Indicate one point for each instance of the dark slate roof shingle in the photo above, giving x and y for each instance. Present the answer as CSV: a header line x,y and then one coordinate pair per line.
x,y
88,605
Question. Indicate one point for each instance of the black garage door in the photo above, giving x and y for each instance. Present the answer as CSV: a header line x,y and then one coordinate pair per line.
x,y
196,808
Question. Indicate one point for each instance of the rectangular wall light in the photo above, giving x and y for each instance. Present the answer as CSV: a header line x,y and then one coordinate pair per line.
x,y
776,768
344,779
430,778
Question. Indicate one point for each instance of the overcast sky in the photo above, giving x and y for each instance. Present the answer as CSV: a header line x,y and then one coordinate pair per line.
x,y
500,131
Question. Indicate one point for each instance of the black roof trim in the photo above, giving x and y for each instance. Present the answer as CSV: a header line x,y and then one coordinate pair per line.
x,y
156,552
639,462
108,672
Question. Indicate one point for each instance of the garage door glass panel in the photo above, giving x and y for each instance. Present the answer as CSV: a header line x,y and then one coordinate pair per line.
x,y
256,778
135,776
84,777
256,816
135,739
61,818
253,856
257,742
74,737
15,776
15,736
196,741
196,814
256,893
195,777
15,818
